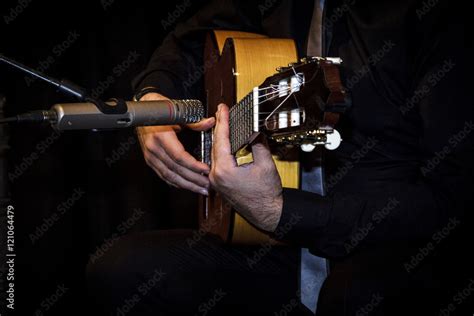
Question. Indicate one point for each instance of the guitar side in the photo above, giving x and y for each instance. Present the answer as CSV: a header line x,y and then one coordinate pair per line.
x,y
236,62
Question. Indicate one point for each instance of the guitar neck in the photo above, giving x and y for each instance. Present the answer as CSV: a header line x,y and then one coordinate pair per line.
x,y
242,124
242,121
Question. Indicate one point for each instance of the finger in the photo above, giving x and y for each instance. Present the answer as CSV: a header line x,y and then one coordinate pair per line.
x,y
261,152
145,132
221,149
203,125
178,154
153,96
175,179
187,174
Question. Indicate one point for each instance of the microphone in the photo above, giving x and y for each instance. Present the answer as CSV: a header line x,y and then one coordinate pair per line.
x,y
77,116
95,114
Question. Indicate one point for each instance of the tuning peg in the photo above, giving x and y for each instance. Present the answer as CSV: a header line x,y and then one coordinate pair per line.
x,y
307,148
333,140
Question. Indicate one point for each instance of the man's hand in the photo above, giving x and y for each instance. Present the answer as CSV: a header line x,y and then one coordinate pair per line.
x,y
254,189
165,154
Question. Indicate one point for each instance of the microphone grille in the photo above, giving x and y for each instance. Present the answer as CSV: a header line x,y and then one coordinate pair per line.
x,y
190,111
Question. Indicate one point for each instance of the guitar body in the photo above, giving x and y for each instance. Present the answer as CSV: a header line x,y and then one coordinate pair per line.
x,y
236,62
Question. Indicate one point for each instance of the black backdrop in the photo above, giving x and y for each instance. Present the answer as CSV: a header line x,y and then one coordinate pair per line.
x,y
80,190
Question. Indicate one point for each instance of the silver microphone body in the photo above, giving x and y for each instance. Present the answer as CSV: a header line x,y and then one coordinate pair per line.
x,y
75,116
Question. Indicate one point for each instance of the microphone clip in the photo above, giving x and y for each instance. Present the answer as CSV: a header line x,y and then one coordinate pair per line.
x,y
114,106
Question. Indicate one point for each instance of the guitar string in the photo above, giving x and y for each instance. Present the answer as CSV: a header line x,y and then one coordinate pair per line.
x,y
276,91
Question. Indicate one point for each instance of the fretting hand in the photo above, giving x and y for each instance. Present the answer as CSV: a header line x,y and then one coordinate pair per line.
x,y
254,189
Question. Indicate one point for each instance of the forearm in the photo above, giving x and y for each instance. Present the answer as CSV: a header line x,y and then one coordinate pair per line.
x,y
338,224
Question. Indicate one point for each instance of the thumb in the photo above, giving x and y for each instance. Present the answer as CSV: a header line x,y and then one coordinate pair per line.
x,y
261,152
202,125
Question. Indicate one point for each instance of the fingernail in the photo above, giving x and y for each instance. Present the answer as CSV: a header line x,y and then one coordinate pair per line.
x,y
204,192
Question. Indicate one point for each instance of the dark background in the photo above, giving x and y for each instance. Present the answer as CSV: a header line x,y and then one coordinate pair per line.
x,y
57,165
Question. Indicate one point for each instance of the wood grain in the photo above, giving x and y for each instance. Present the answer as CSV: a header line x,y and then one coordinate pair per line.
x,y
255,57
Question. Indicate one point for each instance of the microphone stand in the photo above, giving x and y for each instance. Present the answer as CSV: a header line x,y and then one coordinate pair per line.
x,y
118,106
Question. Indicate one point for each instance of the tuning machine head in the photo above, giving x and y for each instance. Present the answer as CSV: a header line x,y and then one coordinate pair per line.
x,y
309,139
313,59
330,138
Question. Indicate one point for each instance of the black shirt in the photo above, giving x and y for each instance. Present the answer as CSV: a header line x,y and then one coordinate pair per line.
x,y
404,170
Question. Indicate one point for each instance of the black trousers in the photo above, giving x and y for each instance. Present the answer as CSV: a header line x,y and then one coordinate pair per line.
x,y
183,273
180,272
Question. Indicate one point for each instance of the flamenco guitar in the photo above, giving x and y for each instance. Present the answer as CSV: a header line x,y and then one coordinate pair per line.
x,y
294,106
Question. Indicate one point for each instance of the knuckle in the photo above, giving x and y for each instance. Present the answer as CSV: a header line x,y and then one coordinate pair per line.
x,y
265,170
171,177
149,144
173,167
219,175
176,155
167,174
179,157
155,137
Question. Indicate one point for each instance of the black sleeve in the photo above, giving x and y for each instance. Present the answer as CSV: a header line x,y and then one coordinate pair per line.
x,y
439,198
176,67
